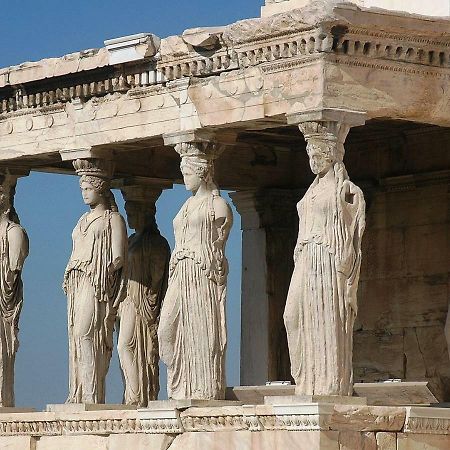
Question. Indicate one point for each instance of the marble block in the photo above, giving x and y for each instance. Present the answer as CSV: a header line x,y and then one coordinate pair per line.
x,y
314,399
183,404
434,8
403,393
17,443
81,407
8,410
254,395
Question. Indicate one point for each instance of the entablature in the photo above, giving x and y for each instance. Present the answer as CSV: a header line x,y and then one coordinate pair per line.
x,y
248,76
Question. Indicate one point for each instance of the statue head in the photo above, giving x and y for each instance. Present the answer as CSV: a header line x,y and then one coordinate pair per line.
x,y
7,192
325,144
95,176
321,156
140,215
196,171
5,198
93,189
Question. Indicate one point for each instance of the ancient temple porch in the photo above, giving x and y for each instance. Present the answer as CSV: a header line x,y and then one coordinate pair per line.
x,y
247,87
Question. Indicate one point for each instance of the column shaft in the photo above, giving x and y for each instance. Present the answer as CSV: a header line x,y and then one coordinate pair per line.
x,y
269,231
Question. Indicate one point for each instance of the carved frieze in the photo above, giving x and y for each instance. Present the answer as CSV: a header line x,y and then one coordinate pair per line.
x,y
427,420
276,45
173,421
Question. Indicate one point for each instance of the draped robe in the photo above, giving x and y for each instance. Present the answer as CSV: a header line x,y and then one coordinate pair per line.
x,y
89,287
148,261
321,305
11,300
192,329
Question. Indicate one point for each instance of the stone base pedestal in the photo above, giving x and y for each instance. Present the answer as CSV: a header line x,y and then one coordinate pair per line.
x,y
13,409
285,394
311,426
184,404
255,395
405,393
80,407
317,399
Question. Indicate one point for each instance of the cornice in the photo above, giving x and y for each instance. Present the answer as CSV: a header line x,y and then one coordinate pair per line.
x,y
356,46
391,66
301,417
400,37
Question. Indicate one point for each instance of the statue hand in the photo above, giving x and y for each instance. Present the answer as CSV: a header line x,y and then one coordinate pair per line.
x,y
297,251
114,266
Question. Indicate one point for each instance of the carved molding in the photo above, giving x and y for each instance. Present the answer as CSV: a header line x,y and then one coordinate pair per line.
x,y
30,427
427,420
108,426
291,422
54,99
162,426
248,54
214,423
408,53
290,417
427,425
394,67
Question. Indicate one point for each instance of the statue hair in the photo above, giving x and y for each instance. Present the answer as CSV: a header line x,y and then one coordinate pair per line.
x,y
204,169
8,191
101,185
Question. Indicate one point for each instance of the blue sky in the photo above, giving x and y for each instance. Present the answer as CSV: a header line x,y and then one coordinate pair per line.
x,y
49,205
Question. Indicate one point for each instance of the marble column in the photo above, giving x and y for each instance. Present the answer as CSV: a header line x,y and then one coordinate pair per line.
x,y
95,280
192,331
138,315
13,252
269,230
321,305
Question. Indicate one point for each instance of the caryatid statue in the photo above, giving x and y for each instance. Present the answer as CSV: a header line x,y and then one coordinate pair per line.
x,y
95,283
192,329
148,268
13,252
321,304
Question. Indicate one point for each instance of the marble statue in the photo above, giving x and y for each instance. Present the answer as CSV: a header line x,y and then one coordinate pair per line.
x,y
95,283
148,265
192,329
13,252
321,305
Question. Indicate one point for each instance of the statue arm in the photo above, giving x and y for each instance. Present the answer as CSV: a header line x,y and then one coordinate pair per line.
x,y
353,198
159,268
223,218
298,245
119,241
18,248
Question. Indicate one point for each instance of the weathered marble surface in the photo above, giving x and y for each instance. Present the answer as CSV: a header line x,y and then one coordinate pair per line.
x,y
13,252
397,393
245,80
192,330
403,299
269,231
315,427
321,306
53,67
138,315
435,8
95,283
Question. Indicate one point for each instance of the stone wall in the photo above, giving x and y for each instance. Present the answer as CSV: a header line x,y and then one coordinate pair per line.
x,y
404,287
261,427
